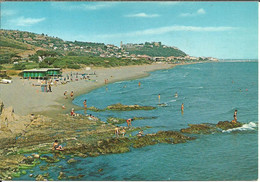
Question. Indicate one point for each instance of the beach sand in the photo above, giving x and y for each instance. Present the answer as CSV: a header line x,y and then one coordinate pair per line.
x,y
28,99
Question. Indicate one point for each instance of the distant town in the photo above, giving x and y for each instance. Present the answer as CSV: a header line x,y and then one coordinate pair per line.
x,y
154,51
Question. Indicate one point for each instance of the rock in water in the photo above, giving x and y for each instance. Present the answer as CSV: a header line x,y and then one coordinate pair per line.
x,y
199,129
71,161
61,175
225,125
39,178
121,107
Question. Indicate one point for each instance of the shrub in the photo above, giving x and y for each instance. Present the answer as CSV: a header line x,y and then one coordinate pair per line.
x,y
19,67
74,66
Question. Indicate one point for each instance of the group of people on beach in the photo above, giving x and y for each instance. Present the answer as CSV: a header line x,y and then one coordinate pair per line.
x,y
71,94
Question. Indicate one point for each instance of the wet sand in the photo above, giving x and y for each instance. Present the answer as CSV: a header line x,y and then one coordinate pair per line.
x,y
27,99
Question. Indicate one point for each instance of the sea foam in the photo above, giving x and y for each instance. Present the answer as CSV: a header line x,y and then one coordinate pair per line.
x,y
248,126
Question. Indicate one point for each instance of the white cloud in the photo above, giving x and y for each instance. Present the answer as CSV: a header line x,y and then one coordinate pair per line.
x,y
85,6
167,3
200,11
6,12
143,15
21,21
163,30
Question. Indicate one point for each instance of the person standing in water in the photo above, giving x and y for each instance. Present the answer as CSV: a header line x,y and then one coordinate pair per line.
x,y
176,95
139,84
159,97
85,104
235,116
182,107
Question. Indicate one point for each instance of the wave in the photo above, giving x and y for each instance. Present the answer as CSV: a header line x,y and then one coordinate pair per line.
x,y
245,127
171,101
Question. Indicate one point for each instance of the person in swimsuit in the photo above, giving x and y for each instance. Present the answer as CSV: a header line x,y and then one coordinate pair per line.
x,y
65,95
71,94
140,133
123,131
85,104
235,116
56,146
72,113
117,131
129,122
182,107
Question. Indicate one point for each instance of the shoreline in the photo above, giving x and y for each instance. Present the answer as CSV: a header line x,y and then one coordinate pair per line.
x,y
143,72
27,99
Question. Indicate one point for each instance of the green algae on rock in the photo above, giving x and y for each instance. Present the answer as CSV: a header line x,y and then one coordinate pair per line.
x,y
72,160
92,108
207,128
121,107
225,125
115,120
199,129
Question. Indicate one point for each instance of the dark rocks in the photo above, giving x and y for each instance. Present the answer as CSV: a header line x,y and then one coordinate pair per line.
x,y
49,159
207,128
92,108
121,107
114,145
61,175
76,177
114,120
71,161
39,178
225,125
199,129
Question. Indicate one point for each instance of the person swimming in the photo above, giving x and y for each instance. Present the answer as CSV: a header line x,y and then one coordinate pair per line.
x,y
176,95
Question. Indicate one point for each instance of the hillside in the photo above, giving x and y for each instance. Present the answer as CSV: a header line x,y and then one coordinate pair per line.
x,y
23,39
154,49
33,50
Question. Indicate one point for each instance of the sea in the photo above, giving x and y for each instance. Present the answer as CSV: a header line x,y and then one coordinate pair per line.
x,y
210,92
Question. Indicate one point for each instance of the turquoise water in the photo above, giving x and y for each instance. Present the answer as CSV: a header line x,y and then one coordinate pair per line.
x,y
210,93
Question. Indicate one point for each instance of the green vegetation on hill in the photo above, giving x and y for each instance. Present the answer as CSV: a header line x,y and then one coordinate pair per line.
x,y
75,62
33,50
6,42
156,51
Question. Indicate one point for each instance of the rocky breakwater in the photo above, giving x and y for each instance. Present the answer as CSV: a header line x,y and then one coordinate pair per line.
x,y
208,128
115,120
121,107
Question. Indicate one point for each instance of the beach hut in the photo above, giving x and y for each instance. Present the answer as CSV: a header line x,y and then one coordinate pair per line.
x,y
35,73
54,72
42,73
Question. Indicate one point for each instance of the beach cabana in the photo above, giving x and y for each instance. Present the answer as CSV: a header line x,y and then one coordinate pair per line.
x,y
41,73
54,72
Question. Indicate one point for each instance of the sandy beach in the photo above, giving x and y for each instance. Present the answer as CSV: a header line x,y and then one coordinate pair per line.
x,y
26,98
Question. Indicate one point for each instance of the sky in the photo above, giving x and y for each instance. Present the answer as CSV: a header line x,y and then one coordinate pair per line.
x,y
224,30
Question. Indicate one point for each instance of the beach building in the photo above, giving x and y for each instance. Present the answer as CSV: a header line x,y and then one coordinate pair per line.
x,y
42,73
